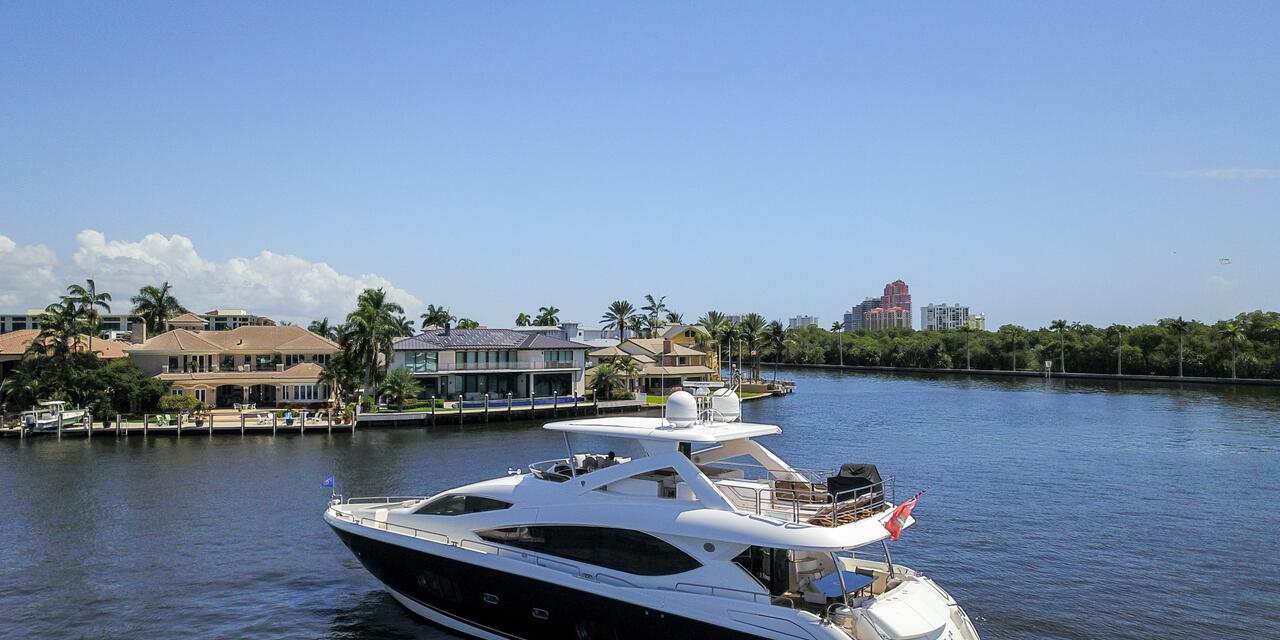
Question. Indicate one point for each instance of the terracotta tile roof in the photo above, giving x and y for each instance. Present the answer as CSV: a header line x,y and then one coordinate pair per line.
x,y
187,318
240,339
15,344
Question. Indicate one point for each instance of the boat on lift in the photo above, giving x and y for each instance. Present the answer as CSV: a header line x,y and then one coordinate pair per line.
x,y
701,532
49,414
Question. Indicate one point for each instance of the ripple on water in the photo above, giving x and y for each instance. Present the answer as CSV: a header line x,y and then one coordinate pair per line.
x,y
1065,510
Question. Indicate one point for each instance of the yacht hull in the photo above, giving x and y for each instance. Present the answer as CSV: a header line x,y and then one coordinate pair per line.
x,y
493,604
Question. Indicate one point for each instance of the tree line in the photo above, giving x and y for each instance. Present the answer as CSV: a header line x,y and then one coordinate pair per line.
x,y
1246,346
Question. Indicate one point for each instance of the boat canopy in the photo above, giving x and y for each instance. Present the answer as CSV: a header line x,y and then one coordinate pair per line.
x,y
662,430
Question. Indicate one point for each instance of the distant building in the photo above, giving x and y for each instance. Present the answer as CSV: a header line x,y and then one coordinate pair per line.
x,y
942,317
881,319
897,294
978,322
853,320
118,325
800,322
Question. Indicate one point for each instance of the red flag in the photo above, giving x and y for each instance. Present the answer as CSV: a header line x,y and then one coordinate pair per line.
x,y
898,520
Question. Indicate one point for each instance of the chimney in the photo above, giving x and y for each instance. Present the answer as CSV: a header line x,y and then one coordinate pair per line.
x,y
446,327
137,332
666,345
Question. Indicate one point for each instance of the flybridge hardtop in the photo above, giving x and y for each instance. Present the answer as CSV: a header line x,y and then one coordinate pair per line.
x,y
663,430
595,544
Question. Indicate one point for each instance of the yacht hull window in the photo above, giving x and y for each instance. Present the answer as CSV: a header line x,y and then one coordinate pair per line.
x,y
476,598
633,552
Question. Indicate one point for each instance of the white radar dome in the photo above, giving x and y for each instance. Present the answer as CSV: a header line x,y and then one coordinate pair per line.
x,y
682,409
726,404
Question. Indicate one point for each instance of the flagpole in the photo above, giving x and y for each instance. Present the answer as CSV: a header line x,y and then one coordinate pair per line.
x,y
888,560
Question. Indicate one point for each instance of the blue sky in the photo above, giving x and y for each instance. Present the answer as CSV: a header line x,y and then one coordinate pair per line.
x,y
1088,161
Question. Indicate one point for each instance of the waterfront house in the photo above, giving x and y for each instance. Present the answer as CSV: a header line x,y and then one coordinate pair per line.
x,y
664,363
14,345
694,336
262,365
474,362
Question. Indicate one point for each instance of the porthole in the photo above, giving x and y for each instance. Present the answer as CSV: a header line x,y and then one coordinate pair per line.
x,y
709,548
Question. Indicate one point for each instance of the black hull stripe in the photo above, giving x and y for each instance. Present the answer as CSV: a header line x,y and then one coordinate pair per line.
x,y
466,592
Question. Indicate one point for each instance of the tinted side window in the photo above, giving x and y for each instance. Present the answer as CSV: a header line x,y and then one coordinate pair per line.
x,y
621,549
455,505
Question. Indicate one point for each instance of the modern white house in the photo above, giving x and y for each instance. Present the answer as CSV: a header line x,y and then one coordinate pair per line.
x,y
474,362
594,336
263,365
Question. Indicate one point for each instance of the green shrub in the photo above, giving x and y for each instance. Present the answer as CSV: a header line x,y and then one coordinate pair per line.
x,y
179,403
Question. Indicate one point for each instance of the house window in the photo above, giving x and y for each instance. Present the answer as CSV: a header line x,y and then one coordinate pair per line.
x,y
624,550
173,364
200,395
421,361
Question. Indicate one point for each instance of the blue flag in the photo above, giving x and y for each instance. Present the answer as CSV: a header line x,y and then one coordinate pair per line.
x,y
328,482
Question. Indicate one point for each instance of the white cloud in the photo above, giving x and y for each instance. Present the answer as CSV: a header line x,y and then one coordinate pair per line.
x,y
27,277
276,285
1223,285
1227,173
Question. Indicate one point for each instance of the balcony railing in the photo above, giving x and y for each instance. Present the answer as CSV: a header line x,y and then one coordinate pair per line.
x,y
517,365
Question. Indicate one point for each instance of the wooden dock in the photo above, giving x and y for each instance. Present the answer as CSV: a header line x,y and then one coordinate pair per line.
x,y
273,422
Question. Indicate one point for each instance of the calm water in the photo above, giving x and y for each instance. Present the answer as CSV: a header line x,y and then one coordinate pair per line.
x,y
1053,510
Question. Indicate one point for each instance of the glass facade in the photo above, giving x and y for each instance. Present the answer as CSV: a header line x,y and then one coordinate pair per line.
x,y
421,361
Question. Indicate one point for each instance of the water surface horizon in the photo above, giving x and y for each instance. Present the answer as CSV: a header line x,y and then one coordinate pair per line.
x,y
1052,509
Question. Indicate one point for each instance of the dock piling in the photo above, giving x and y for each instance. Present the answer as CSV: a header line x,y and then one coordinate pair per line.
x,y
486,407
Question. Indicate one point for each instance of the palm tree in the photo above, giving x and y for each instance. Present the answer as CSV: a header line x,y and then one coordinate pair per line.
x,y
436,317
1233,334
323,329
468,323
60,327
1179,327
1118,330
967,330
675,318
547,316
838,329
90,301
370,332
655,308
1013,335
728,335
1060,327
605,380
398,386
713,323
523,320
341,375
637,324
629,368
775,337
618,316
752,332
404,326
155,305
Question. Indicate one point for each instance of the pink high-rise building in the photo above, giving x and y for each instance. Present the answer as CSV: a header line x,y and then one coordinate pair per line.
x,y
897,294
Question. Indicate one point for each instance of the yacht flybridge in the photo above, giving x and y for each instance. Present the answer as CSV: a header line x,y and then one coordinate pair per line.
x,y
702,533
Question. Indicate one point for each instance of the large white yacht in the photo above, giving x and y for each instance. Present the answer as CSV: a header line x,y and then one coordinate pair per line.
x,y
706,535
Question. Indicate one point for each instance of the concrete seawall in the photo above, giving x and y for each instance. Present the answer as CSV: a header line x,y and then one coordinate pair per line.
x,y
1259,382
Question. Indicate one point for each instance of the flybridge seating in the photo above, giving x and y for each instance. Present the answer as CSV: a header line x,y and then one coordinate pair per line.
x,y
746,477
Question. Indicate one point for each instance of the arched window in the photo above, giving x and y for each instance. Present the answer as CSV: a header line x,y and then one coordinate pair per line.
x,y
633,552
